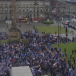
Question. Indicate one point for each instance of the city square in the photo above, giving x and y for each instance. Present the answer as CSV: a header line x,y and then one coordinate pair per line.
x,y
40,41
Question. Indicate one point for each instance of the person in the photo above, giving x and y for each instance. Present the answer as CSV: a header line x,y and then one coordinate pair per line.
x,y
73,57
65,50
51,70
75,50
69,61
73,67
70,64
55,33
32,54
74,60
71,73
70,56
66,54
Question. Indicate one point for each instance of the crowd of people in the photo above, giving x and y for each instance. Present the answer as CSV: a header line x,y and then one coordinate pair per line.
x,y
3,36
38,54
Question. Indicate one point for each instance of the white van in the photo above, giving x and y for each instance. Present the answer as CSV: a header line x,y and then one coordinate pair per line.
x,y
73,20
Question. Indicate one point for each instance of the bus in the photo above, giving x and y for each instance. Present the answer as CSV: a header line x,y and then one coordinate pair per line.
x,y
22,19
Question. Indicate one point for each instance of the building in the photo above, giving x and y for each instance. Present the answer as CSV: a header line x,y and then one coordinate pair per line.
x,y
68,9
25,8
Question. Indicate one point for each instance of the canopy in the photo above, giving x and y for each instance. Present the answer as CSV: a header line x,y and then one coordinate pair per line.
x,y
21,71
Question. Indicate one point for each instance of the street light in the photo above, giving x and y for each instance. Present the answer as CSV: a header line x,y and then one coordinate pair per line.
x,y
58,31
57,16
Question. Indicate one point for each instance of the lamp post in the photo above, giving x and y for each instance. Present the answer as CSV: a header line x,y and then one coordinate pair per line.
x,y
58,31
57,16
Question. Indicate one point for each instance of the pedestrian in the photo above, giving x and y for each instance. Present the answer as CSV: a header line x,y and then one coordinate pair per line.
x,y
75,51
65,50
69,61
73,57
74,60
66,54
55,33
70,64
51,70
70,56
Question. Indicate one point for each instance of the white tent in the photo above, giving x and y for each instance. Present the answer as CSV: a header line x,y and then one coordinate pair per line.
x,y
21,71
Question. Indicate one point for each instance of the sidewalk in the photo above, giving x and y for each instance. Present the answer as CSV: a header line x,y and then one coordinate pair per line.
x,y
70,35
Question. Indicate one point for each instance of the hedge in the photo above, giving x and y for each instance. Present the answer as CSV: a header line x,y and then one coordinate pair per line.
x,y
50,22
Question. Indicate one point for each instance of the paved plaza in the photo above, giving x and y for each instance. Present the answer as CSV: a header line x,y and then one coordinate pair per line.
x,y
25,27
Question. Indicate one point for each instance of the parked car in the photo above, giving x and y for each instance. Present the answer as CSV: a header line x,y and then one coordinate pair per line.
x,y
66,22
72,26
75,27
69,25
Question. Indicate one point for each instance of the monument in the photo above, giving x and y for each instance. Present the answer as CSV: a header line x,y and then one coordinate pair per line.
x,y
14,33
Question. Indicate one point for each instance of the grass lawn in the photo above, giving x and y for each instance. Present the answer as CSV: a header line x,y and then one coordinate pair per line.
x,y
22,40
69,47
50,29
3,41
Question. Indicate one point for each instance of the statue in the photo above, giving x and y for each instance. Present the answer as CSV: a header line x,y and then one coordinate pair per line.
x,y
14,33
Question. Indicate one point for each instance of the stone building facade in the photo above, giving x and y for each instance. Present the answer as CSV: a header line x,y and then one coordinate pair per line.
x,y
25,8
67,9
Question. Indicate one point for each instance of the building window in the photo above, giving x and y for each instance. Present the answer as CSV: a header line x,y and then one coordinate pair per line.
x,y
6,3
46,9
23,9
1,3
46,3
30,9
1,9
34,9
27,9
6,9
30,15
41,3
19,3
19,9
23,4
27,4
37,9
10,4
10,9
34,15
30,3
1,17
41,9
